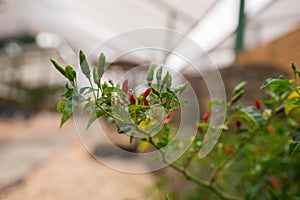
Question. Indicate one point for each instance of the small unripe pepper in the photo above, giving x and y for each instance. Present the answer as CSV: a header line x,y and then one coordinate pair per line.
x,y
150,73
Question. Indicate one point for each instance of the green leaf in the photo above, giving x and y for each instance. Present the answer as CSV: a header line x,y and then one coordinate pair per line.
x,y
277,84
150,73
82,90
65,117
294,68
58,67
290,105
123,129
70,74
239,87
158,75
84,65
70,106
95,116
109,90
154,91
254,115
67,112
61,106
96,76
217,103
131,137
236,97
101,65
296,141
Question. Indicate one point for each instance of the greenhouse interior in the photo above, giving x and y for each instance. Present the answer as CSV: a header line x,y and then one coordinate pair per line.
x,y
161,99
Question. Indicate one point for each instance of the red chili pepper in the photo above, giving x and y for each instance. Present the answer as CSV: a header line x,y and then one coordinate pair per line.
x,y
171,114
205,138
121,102
132,99
257,103
238,123
206,116
125,86
166,121
147,92
146,103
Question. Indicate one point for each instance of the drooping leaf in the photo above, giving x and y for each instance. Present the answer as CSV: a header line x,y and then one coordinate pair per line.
x,y
254,115
67,112
69,107
95,116
82,90
84,65
65,117
277,84
61,105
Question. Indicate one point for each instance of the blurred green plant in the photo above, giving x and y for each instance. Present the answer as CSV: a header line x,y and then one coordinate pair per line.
x,y
256,157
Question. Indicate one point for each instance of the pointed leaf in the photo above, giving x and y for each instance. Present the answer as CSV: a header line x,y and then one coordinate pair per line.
x,y
70,74
58,67
277,84
61,106
95,116
254,115
239,87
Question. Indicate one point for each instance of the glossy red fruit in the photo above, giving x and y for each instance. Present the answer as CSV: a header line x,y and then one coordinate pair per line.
x,y
132,99
206,116
146,103
166,121
238,123
147,92
257,103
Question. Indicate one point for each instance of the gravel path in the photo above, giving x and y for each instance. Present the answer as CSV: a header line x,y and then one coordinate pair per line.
x,y
71,173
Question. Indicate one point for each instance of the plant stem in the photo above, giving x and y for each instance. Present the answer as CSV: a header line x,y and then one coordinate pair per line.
x,y
189,176
99,106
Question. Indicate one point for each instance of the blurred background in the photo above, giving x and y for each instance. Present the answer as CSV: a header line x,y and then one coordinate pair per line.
x,y
246,39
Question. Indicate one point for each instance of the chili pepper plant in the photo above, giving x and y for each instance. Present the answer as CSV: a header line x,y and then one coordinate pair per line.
x,y
256,157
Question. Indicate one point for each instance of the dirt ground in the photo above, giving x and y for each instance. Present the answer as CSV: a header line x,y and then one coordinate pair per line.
x,y
71,173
